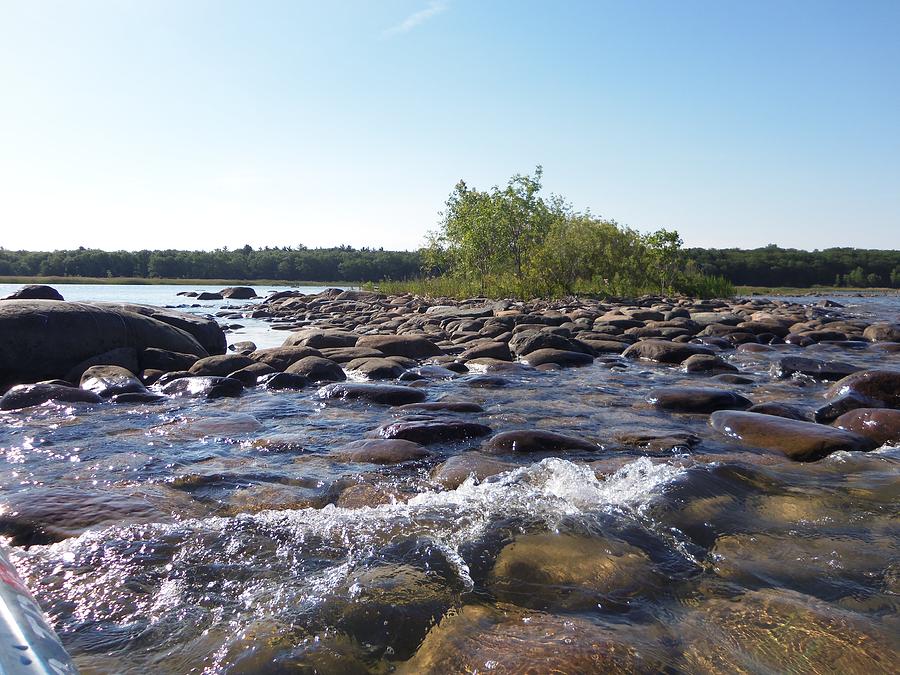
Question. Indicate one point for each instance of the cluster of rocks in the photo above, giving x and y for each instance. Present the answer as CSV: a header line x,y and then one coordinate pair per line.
x,y
230,293
78,352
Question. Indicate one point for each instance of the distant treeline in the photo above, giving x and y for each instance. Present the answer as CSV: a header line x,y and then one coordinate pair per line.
x,y
774,266
290,264
769,266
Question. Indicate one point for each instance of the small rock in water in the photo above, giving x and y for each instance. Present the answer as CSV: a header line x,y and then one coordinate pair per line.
x,y
696,400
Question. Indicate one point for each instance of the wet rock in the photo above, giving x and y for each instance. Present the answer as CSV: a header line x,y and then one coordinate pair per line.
x,y
819,370
878,385
526,342
200,386
829,412
801,441
552,571
362,495
152,358
245,347
705,363
521,642
317,369
34,292
279,381
488,365
442,406
779,409
559,357
375,368
457,469
410,346
380,451
281,358
248,376
535,440
220,365
662,351
106,381
432,430
696,399
27,395
124,357
882,425
137,397
387,394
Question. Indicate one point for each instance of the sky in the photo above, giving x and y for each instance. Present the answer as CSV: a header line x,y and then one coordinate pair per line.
x,y
198,124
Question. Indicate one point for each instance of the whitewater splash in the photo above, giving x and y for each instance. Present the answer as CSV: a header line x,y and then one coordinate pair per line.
x,y
295,560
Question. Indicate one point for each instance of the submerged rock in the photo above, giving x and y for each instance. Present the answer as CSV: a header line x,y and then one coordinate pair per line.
x,y
454,472
380,451
432,430
819,370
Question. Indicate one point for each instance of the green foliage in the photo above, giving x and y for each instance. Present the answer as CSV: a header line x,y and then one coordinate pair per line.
x,y
514,242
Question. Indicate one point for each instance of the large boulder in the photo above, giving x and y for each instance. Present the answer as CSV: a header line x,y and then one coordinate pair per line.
x,y
204,330
46,339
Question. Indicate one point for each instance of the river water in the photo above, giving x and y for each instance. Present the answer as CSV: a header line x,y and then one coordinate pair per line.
x,y
227,536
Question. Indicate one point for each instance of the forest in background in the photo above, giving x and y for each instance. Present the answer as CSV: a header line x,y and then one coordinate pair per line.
x,y
768,266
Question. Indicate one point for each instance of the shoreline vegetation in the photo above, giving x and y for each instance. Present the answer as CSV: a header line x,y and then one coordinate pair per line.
x,y
506,241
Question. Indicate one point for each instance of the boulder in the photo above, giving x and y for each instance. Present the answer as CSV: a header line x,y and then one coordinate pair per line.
x,y
200,386
317,369
375,368
278,381
27,395
203,329
410,346
882,425
560,357
34,292
318,338
801,441
389,394
534,440
380,451
220,365
46,339
878,385
281,358
432,430
882,332
663,351
107,381
696,399
238,293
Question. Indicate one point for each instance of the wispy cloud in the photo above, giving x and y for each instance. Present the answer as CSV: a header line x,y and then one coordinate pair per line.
x,y
415,19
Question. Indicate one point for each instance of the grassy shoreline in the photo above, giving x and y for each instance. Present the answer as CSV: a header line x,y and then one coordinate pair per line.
x,y
144,281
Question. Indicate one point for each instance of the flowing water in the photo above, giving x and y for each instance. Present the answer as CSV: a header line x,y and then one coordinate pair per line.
x,y
228,536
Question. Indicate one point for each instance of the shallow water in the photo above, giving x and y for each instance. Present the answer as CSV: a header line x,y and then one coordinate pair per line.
x,y
207,536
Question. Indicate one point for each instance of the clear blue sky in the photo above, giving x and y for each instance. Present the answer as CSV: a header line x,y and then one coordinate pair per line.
x,y
205,123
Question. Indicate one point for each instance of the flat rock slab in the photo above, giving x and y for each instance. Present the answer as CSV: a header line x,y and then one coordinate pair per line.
x,y
388,394
801,441
534,440
696,399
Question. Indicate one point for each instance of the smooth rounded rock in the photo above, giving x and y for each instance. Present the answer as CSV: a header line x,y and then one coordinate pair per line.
x,y
388,394
201,386
559,357
801,441
878,385
534,440
428,431
410,346
458,468
28,395
663,351
106,381
882,425
380,451
317,369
